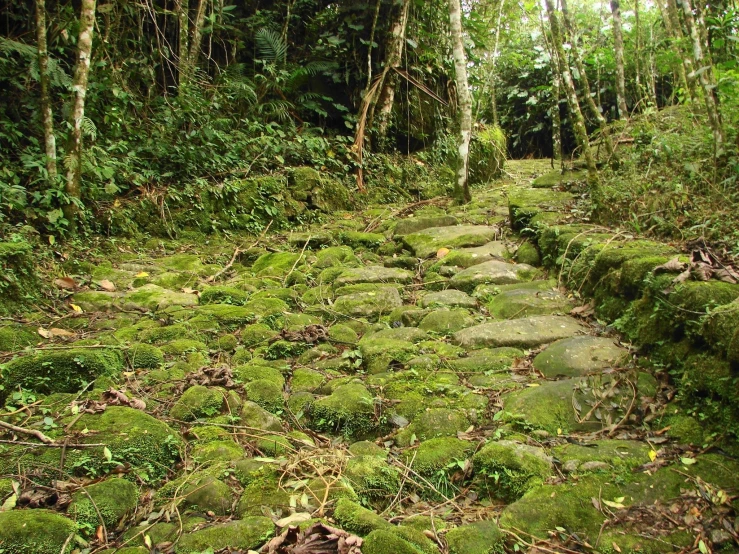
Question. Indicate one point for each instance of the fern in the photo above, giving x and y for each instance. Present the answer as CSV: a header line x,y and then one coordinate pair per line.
x,y
271,46
88,128
57,75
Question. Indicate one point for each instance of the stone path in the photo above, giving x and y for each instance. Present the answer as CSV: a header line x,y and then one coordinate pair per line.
x,y
423,386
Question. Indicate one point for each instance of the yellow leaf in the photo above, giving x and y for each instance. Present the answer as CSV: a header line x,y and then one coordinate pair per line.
x,y
142,274
76,308
442,252
532,385
559,431
652,455
616,505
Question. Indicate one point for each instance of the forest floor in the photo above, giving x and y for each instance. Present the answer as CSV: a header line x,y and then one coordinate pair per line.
x,y
403,379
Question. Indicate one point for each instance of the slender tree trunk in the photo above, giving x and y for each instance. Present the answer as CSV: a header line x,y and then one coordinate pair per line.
x,y
618,44
196,42
674,39
594,111
706,78
637,54
674,17
578,121
464,102
556,118
46,113
79,86
396,44
183,19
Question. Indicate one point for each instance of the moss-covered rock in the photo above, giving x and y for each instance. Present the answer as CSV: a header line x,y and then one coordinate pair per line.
x,y
245,534
198,401
378,354
428,242
523,302
264,494
368,304
256,334
450,298
253,415
447,321
434,422
486,360
266,393
621,455
355,518
527,253
437,454
372,477
144,356
358,239
60,371
16,337
578,356
200,490
106,503
385,541
254,371
217,451
224,295
36,532
521,333
371,274
151,298
511,469
349,410
481,537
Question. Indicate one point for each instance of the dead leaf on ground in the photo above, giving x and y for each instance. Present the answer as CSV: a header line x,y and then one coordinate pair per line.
x,y
115,397
106,285
442,252
318,539
66,283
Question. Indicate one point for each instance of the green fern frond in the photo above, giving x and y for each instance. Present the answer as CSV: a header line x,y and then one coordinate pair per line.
x,y
88,128
271,46
57,75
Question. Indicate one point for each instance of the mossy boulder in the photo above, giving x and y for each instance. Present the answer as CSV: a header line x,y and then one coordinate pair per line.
x,y
372,477
520,333
481,537
436,454
358,239
370,305
428,242
266,393
151,298
449,298
511,469
386,541
106,503
493,272
36,532
224,295
527,253
335,256
256,334
524,302
248,533
578,356
434,422
16,337
620,455
200,490
415,224
275,264
254,371
349,410
447,321
372,274
355,518
216,451
198,401
378,354
264,495
254,415
144,356
524,204
60,371
486,360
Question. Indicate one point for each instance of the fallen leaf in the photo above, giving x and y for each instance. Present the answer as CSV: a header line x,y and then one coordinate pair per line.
x,y
616,547
616,505
441,253
45,333
142,274
688,461
9,503
100,534
66,283
76,308
292,519
57,332
652,455
107,285
674,265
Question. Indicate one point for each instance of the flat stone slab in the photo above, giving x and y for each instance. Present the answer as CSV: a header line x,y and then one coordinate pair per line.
x,y
523,333
428,242
493,272
579,356
416,224
511,304
373,274
448,298
368,304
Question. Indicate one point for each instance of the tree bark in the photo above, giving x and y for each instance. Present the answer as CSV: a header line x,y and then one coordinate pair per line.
x,y
197,38
46,113
618,44
464,103
706,78
396,44
556,118
674,19
594,111
578,121
182,9
79,86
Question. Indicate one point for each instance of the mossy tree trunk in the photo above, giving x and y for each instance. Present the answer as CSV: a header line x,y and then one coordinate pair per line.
x,y
618,46
79,87
46,112
696,29
589,100
578,121
183,23
464,103
671,17
556,118
395,47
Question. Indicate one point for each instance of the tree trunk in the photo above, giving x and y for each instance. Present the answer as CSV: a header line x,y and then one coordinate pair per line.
x,y
594,111
556,118
79,86
183,20
578,121
464,103
706,78
197,38
618,44
690,78
46,113
394,56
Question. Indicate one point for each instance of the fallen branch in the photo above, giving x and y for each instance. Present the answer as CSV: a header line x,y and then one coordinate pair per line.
x,y
33,432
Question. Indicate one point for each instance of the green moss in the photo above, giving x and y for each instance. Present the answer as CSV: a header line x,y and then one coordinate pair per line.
x,y
334,256
685,429
60,371
196,402
266,393
254,371
349,409
264,493
112,500
35,532
16,337
357,519
357,239
227,343
224,295
159,335
179,347
378,353
256,335
446,322
487,360
383,541
524,204
144,356
217,451
434,422
201,490
512,469
720,327
372,477
527,253
305,379
437,454
244,534
274,264
367,448
481,537
619,454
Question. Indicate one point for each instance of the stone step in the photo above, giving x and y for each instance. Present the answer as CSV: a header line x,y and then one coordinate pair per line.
x,y
523,333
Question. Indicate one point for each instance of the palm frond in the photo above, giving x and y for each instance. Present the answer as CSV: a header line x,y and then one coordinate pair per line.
x,y
271,46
